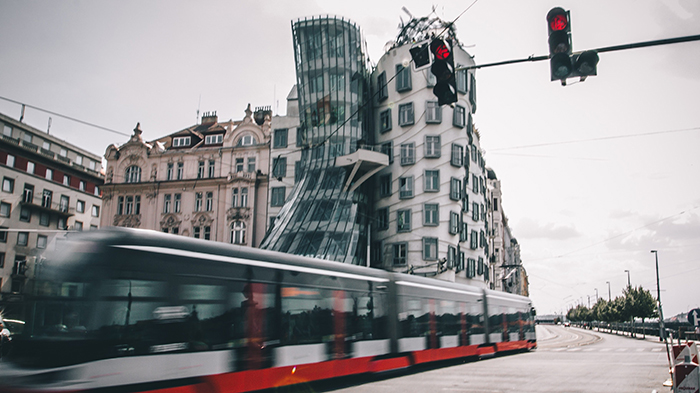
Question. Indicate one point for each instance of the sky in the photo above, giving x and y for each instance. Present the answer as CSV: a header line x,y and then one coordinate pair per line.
x,y
595,175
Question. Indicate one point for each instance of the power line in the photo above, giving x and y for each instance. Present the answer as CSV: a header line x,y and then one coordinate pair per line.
x,y
595,139
64,116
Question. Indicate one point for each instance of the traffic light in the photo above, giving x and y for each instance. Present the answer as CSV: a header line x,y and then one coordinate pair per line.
x,y
559,44
444,70
562,63
420,55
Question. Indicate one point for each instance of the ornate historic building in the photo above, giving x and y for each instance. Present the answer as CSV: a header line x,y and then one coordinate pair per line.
x,y
207,181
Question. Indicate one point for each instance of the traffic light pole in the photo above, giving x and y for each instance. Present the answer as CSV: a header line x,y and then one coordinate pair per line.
x,y
599,50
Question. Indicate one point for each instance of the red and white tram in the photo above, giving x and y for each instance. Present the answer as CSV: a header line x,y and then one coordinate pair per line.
x,y
132,310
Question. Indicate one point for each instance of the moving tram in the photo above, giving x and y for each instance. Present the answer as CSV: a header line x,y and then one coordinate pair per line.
x,y
134,310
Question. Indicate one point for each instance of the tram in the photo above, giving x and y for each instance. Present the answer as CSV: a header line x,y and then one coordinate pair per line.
x,y
134,310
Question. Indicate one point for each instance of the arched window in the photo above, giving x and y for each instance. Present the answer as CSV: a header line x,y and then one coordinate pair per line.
x,y
238,232
133,174
247,140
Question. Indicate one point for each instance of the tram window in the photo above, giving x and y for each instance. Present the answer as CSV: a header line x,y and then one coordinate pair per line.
x,y
449,318
414,316
368,318
306,314
475,319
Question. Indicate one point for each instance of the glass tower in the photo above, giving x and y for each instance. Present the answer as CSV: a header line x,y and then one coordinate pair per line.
x,y
326,213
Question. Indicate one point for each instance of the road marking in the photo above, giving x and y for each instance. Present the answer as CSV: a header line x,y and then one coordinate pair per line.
x,y
589,349
574,349
606,350
621,350
657,349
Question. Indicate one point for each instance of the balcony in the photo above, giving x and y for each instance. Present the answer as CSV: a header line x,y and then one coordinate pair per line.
x,y
238,213
233,176
44,204
361,164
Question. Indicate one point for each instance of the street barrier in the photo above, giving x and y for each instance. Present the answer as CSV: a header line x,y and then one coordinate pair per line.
x,y
686,377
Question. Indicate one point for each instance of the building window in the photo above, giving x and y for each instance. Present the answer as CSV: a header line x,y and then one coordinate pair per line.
x,y
431,214
474,240
247,140
64,202
41,241
198,201
388,149
22,238
451,257
7,130
239,165
209,202
279,167
66,180
131,204
244,197
133,174
28,194
95,211
382,87
482,239
385,186
214,139
10,161
383,219
454,223
461,79
406,114
3,235
234,197
212,168
472,92
61,223
46,199
455,189
178,202
2,262
459,116
400,254
480,266
278,196
385,120
432,146
408,153
79,160
475,211
280,138
180,170
403,78
80,206
25,214
200,170
471,267
406,187
238,232
403,220
457,155
30,167
475,184
5,209
433,112
430,248
251,164
8,185
169,172
181,141
432,181
97,191
49,174
167,201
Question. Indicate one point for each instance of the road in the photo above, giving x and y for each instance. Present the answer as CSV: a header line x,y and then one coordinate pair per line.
x,y
568,360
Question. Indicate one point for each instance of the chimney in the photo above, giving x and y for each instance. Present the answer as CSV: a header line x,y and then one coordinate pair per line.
x,y
209,118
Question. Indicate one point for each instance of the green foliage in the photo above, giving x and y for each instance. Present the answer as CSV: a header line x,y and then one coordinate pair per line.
x,y
634,303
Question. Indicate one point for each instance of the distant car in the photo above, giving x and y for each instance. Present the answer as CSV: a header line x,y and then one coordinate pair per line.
x,y
567,324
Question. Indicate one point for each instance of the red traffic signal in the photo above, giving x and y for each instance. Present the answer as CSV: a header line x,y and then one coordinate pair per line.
x,y
444,70
558,20
559,28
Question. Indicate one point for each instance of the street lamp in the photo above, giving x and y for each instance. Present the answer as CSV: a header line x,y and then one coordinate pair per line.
x,y
629,283
662,332
609,295
596,295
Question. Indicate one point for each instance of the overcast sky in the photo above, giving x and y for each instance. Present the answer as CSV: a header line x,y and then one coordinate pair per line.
x,y
594,175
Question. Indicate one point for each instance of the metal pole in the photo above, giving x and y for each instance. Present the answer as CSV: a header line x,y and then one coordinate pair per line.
x,y
662,331
609,295
629,283
596,295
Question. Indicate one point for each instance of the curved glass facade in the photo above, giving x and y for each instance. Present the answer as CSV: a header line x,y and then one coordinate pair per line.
x,y
321,218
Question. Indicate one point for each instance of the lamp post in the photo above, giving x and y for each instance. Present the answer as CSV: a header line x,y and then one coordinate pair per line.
x,y
609,296
662,332
596,295
629,283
